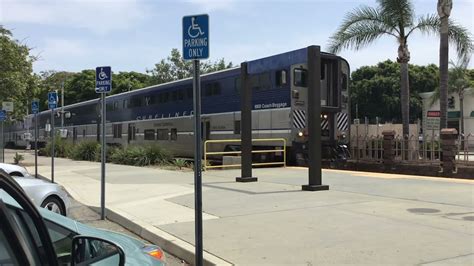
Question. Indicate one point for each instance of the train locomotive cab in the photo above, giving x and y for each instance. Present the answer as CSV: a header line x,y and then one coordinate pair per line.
x,y
335,110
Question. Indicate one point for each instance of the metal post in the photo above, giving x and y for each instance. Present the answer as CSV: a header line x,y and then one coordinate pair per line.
x,y
314,120
103,150
36,145
3,144
62,105
52,145
197,165
246,127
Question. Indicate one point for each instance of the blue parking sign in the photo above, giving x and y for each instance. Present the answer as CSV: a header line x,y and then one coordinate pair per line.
x,y
196,37
3,115
52,99
103,79
35,106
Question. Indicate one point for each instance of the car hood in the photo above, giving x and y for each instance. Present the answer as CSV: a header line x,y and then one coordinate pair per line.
x,y
29,181
132,247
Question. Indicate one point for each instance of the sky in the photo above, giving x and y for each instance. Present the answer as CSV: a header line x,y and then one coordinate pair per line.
x,y
134,35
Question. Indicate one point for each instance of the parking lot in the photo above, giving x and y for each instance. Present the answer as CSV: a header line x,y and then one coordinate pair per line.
x,y
365,218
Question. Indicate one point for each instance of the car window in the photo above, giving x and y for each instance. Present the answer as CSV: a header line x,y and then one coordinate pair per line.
x,y
7,255
60,236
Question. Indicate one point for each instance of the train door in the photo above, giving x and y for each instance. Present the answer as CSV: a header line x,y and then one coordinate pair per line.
x,y
131,132
205,129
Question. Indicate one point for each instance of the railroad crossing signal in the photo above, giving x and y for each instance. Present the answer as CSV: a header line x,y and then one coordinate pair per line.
x,y
196,37
52,99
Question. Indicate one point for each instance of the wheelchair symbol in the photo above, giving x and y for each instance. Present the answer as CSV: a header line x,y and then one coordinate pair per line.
x,y
194,30
102,74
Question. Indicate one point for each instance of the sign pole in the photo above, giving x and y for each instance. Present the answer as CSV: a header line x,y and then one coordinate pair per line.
x,y
103,150
52,145
103,84
36,145
197,163
3,144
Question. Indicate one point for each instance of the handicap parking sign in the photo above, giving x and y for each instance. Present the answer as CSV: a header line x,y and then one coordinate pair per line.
x,y
196,37
103,79
3,115
35,106
52,99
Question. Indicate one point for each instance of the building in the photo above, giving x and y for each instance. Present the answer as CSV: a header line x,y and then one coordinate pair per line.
x,y
430,120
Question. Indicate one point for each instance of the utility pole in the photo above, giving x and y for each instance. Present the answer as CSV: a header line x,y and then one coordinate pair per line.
x,y
62,106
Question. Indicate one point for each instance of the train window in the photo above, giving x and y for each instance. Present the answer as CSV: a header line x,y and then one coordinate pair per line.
x,y
117,131
148,100
162,134
280,78
190,93
300,77
237,127
181,95
344,81
110,107
237,85
264,81
212,89
254,82
174,134
125,104
116,105
174,96
149,134
323,71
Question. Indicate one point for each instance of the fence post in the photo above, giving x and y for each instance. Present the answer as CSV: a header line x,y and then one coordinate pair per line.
x,y
448,149
388,149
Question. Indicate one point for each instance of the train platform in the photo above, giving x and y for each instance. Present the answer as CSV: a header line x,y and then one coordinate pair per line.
x,y
363,219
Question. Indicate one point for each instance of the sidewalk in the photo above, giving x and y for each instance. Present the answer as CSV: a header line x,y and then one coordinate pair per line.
x,y
364,219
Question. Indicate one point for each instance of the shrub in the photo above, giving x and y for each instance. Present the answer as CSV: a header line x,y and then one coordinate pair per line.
x,y
85,151
61,148
180,163
18,158
139,155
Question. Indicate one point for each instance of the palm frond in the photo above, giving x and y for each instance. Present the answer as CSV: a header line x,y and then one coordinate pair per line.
x,y
435,96
428,24
462,39
400,11
359,28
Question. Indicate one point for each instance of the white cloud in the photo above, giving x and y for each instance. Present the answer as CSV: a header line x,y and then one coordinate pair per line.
x,y
101,16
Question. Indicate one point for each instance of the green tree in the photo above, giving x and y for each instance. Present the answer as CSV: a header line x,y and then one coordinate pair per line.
x,y
80,87
128,81
51,80
459,82
394,18
174,67
16,73
376,90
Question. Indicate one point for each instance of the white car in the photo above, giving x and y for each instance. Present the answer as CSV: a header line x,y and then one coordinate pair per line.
x,y
44,194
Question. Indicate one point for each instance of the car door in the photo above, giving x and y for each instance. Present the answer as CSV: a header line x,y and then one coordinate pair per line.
x,y
24,232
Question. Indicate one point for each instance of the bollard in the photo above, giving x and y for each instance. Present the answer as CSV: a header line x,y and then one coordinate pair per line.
x,y
448,149
388,148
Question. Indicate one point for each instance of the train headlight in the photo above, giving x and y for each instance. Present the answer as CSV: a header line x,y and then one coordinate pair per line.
x,y
300,134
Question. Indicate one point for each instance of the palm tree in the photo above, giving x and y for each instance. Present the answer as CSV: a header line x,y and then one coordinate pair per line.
x,y
459,84
444,11
394,18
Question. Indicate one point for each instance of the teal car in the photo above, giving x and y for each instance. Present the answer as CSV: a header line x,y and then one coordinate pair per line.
x,y
35,236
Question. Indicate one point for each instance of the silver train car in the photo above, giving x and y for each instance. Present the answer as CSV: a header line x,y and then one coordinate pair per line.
x,y
162,114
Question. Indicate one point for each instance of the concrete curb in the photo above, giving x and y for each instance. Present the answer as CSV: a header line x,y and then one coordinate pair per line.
x,y
168,242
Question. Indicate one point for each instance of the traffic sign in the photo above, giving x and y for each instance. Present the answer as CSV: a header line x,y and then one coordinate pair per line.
x,y
3,115
52,99
103,79
7,106
35,106
196,37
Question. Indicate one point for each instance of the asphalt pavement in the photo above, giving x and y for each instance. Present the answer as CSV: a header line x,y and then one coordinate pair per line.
x,y
364,218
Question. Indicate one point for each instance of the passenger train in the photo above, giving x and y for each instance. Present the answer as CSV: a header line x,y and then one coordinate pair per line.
x,y
162,114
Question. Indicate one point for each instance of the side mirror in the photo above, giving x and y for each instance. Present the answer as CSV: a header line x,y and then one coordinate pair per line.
x,y
87,250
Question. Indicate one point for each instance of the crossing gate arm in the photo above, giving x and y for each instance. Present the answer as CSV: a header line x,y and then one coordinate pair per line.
x,y
206,153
